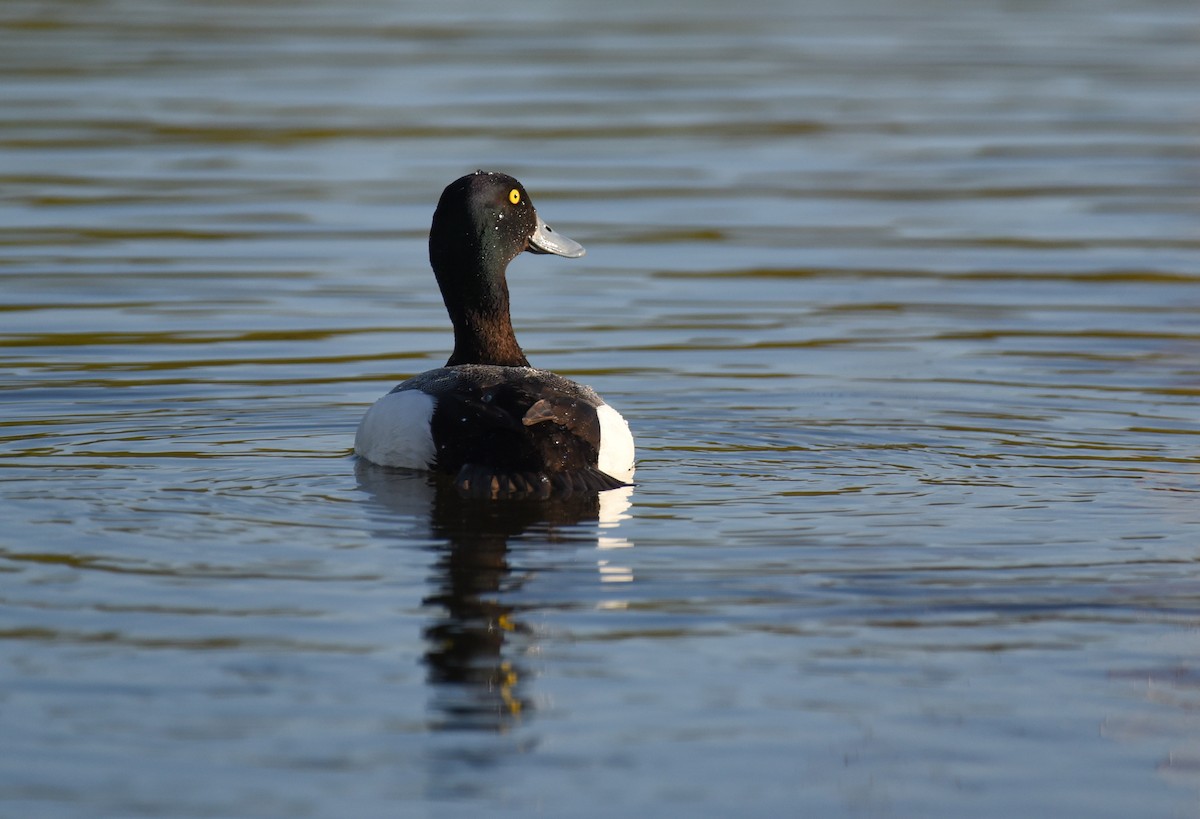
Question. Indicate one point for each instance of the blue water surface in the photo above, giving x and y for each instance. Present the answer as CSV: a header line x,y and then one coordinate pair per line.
x,y
900,301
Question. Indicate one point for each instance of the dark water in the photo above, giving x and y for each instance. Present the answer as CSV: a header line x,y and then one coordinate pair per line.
x,y
903,305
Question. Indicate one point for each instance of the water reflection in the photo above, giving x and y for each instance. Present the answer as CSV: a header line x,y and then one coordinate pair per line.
x,y
475,640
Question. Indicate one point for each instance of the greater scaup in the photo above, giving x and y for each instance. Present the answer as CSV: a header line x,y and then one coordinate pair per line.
x,y
499,426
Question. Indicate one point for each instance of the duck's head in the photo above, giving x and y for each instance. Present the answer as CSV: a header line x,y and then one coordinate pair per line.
x,y
483,221
489,217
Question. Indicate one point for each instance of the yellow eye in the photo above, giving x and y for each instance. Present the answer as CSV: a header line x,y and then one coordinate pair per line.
x,y
514,196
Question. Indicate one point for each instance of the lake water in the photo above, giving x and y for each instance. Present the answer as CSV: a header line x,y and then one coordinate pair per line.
x,y
902,302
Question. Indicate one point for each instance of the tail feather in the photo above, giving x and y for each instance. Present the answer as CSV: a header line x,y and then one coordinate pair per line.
x,y
477,480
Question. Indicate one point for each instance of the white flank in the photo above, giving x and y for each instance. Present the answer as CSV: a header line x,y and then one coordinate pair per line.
x,y
616,444
395,431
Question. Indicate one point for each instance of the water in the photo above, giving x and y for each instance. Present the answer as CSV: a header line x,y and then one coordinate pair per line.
x,y
900,302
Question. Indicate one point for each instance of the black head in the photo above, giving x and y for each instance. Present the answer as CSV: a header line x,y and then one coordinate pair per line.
x,y
490,217
482,222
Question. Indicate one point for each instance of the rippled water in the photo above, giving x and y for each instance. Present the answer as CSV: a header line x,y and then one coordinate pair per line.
x,y
901,302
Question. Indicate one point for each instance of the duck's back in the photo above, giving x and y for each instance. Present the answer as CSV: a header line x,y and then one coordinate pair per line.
x,y
500,430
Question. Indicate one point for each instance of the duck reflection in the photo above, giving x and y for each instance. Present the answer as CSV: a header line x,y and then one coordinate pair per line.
x,y
476,641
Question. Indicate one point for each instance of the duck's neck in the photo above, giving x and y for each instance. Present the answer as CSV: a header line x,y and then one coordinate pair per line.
x,y
477,301
486,338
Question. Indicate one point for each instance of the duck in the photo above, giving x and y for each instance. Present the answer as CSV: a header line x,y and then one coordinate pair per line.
x,y
497,426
